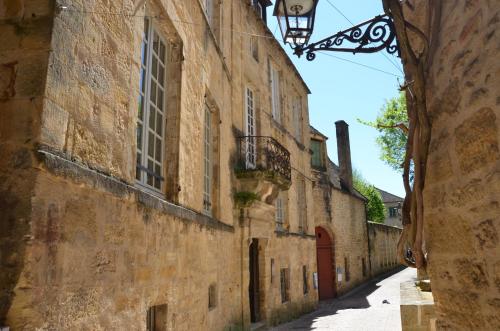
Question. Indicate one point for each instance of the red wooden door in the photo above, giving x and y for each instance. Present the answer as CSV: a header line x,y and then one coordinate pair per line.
x,y
325,264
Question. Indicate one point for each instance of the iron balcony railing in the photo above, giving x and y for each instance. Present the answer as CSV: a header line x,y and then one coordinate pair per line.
x,y
264,153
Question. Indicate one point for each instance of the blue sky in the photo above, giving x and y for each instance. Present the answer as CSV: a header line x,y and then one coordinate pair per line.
x,y
346,91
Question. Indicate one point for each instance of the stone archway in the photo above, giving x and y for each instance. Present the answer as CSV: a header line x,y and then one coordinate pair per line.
x,y
324,256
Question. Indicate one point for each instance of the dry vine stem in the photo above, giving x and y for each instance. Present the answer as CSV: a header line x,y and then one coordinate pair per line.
x,y
419,132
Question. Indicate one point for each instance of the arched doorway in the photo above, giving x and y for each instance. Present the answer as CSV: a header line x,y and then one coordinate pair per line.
x,y
326,286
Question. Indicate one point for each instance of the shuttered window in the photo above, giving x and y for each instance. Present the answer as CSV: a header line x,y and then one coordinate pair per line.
x,y
280,213
275,94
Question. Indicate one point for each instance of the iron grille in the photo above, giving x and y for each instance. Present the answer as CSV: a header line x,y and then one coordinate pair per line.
x,y
264,153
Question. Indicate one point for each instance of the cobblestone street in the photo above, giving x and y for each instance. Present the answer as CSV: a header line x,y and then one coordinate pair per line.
x,y
374,307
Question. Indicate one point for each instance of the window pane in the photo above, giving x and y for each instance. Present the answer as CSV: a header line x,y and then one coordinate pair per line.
x,y
151,144
137,169
316,156
140,112
162,52
152,98
157,180
161,76
152,113
139,136
154,67
160,99
158,150
151,169
156,41
159,123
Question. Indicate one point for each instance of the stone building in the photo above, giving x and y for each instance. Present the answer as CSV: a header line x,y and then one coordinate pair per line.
x,y
350,249
154,169
393,205
462,188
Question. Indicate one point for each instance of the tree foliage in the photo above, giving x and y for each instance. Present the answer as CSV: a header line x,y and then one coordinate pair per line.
x,y
392,124
375,208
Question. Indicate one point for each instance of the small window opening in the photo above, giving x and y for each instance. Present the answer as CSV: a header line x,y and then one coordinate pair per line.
x,y
212,296
157,318
305,280
285,285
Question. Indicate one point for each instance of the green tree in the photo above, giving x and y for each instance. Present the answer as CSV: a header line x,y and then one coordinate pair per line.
x,y
392,124
375,208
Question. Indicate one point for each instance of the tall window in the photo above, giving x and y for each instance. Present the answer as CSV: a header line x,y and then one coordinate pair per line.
x,y
207,162
250,143
280,212
275,94
151,113
297,118
301,204
317,155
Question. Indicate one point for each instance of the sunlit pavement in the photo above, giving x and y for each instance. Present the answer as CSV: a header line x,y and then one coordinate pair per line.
x,y
363,310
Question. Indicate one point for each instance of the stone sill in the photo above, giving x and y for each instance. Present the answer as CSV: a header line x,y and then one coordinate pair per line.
x,y
60,165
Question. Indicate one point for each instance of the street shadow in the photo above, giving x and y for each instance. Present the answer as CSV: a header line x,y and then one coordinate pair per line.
x,y
357,298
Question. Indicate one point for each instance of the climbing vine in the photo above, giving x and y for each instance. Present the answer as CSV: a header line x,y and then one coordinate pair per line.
x,y
419,134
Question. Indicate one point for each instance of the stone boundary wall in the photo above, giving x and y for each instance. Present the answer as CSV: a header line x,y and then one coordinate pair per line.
x,y
383,241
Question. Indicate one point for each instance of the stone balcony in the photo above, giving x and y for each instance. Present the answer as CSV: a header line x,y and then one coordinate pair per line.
x,y
263,167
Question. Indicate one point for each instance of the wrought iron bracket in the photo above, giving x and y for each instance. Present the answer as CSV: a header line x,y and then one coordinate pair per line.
x,y
371,36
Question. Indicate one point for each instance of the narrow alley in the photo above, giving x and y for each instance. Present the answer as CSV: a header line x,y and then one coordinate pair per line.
x,y
374,307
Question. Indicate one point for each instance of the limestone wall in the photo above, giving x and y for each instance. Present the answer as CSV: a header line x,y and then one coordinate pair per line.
x,y
25,34
99,251
350,239
383,241
462,191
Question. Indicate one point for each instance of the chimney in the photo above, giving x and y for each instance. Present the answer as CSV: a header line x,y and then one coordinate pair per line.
x,y
344,151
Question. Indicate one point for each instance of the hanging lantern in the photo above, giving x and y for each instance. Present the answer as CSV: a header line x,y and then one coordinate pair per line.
x,y
296,20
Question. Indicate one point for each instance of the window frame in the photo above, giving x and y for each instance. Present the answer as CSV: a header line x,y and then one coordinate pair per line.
x,y
250,142
145,104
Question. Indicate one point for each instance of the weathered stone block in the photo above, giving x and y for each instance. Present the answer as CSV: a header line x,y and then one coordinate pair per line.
x,y
477,141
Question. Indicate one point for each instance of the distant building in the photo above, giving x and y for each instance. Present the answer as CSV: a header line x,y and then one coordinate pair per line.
x,y
393,204
349,248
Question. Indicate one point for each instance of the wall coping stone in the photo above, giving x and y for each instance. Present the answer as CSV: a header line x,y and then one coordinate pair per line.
x,y
59,164
385,226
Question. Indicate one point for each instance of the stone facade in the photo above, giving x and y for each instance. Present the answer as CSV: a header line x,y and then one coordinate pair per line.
x,y
462,190
393,206
83,246
340,210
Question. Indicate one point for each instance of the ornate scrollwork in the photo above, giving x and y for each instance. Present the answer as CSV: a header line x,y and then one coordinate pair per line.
x,y
370,37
